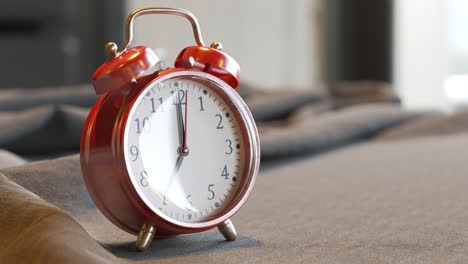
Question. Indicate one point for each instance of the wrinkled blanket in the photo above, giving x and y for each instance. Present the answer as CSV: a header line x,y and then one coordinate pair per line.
x,y
327,192
47,122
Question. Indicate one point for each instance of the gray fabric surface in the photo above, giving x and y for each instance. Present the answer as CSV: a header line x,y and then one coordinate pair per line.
x,y
34,231
351,93
296,213
267,106
329,130
342,207
430,125
50,120
52,129
45,122
42,129
17,99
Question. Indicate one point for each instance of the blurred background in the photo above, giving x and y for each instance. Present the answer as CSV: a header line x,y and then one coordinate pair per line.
x,y
419,47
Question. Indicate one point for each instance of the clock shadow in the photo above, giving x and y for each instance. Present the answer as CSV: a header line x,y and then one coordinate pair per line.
x,y
184,245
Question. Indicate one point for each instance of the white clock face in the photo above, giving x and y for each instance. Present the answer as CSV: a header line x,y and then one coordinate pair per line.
x,y
184,149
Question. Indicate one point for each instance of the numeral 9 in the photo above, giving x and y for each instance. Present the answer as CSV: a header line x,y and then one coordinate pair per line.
x,y
135,153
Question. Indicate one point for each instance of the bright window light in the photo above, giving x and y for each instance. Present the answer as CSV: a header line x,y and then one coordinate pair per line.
x,y
456,88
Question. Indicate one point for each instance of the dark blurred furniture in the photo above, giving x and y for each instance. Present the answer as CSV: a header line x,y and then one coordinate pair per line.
x,y
358,40
55,42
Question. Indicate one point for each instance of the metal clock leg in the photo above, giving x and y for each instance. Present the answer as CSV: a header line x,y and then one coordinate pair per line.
x,y
145,237
228,230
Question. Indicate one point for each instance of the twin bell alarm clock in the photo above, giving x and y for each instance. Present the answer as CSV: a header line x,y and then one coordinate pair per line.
x,y
169,151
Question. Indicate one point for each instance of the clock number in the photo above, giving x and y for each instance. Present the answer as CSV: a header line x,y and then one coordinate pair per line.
x,y
164,200
180,98
201,103
143,126
153,105
220,117
189,200
211,195
135,153
161,103
229,152
225,173
143,179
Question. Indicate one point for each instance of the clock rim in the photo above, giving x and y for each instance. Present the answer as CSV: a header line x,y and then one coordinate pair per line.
x,y
251,142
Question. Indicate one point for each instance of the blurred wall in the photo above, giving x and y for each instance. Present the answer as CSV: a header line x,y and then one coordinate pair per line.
x,y
421,53
276,42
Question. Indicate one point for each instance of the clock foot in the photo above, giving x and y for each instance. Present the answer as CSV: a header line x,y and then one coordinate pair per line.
x,y
228,230
145,237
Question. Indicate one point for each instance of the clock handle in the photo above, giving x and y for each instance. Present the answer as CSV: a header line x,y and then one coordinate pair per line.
x,y
164,11
145,237
228,230
131,62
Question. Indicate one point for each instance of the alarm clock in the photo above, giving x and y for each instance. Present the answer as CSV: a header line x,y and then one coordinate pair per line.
x,y
169,151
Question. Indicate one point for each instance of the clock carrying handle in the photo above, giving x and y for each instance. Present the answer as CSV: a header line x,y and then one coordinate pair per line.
x,y
131,62
208,59
164,11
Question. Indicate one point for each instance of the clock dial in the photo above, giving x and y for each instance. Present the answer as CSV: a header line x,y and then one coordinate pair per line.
x,y
184,149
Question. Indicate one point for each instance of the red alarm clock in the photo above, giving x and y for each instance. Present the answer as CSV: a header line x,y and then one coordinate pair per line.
x,y
169,151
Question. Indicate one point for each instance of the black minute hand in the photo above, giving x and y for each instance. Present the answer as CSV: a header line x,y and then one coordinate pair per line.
x,y
180,121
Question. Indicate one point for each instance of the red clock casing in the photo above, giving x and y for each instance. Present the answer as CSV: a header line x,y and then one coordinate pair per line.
x,y
105,173
121,82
